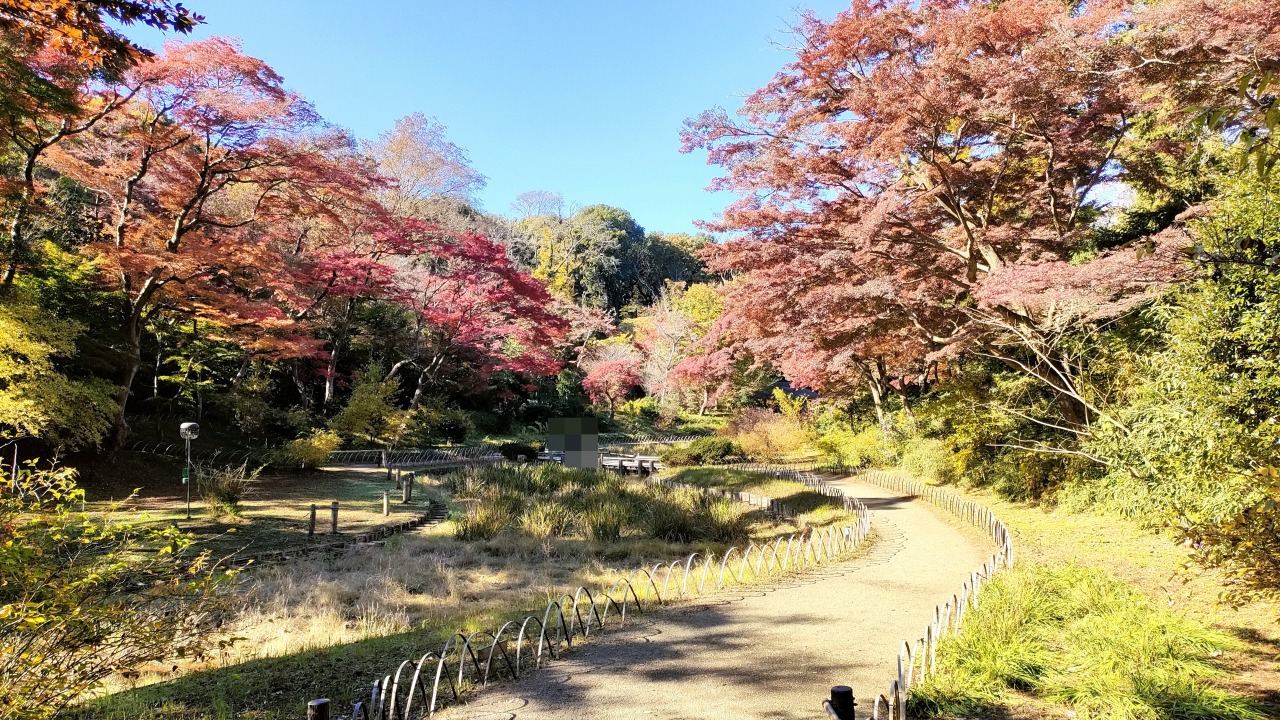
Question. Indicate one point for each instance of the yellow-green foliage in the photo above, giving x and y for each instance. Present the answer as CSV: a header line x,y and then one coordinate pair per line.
x,y
84,596
702,304
929,460
872,446
36,398
769,436
313,449
1076,636
370,415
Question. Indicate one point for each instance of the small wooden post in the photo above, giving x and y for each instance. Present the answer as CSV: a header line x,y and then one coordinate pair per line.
x,y
406,490
311,524
386,504
318,709
333,527
842,704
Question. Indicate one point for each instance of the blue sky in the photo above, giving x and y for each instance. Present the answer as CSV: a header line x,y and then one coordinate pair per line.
x,y
581,98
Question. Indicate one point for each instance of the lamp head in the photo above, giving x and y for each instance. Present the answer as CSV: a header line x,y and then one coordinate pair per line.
x,y
189,431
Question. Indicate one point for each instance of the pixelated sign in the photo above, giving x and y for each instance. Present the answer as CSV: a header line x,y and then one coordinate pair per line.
x,y
577,439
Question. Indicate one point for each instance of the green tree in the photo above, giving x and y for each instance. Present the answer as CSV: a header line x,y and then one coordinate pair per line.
x,y
36,396
371,415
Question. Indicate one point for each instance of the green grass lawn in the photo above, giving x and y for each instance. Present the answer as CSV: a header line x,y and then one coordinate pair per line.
x,y
1145,589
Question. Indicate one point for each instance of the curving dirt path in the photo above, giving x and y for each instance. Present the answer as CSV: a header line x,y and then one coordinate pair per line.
x,y
764,652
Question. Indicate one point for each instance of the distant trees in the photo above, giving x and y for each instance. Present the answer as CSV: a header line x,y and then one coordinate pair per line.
x,y
425,165
601,257
536,203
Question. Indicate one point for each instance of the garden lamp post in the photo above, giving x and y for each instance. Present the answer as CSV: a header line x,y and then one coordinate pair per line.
x,y
189,431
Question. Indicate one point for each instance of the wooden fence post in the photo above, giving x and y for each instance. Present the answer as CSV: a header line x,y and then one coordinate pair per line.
x,y
333,527
386,503
318,710
311,524
406,489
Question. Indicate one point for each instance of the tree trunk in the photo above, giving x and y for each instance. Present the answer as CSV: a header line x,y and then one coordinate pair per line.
x,y
242,373
702,409
155,378
877,399
304,397
132,361
18,225
418,390
340,337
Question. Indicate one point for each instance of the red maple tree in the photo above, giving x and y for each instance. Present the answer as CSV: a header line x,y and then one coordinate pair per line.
x,y
911,152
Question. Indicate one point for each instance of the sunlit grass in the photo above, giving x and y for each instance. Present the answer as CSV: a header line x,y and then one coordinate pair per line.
x,y
1076,636
814,509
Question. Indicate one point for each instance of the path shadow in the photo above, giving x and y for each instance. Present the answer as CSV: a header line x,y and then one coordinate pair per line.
x,y
892,503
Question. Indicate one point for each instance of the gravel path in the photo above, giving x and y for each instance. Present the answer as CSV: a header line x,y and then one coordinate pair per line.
x,y
765,652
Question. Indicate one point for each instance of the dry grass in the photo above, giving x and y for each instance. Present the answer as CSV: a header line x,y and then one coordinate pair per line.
x,y
273,513
815,509
324,626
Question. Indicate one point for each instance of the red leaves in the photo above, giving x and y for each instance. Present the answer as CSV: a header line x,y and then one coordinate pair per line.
x,y
229,199
1060,293
912,155
609,381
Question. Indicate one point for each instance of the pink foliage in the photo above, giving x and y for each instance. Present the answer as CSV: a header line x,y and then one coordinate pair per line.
x,y
609,381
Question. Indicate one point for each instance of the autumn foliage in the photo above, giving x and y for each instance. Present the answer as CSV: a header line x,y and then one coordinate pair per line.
x,y
915,154
220,198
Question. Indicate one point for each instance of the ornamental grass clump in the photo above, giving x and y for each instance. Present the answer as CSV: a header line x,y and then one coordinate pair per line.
x,y
548,501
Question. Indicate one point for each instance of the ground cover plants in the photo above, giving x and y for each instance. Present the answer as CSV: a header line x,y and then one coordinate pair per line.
x,y
1241,665
1073,635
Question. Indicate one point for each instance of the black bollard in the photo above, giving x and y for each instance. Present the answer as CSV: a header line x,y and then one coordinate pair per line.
x,y
842,703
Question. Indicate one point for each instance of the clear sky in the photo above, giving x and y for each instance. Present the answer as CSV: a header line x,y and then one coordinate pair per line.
x,y
580,97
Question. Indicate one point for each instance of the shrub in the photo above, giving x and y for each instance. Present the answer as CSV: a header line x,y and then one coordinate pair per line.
x,y
703,451
222,488
929,460
86,595
312,450
715,449
766,435
680,457
518,452
645,407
